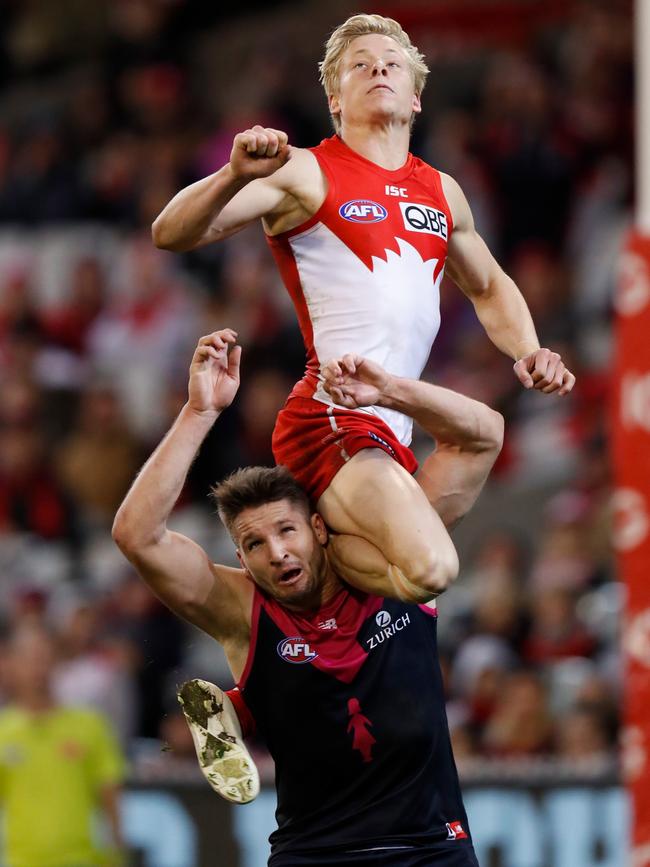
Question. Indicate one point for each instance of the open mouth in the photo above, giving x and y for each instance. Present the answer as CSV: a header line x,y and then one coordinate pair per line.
x,y
290,575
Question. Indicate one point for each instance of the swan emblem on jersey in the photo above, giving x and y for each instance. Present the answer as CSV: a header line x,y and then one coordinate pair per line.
x,y
363,211
296,650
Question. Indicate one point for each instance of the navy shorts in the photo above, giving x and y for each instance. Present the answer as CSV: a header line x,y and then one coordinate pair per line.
x,y
455,855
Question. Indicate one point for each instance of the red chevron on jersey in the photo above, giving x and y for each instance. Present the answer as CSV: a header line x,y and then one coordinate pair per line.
x,y
364,272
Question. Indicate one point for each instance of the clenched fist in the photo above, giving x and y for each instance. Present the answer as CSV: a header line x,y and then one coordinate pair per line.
x,y
544,371
258,152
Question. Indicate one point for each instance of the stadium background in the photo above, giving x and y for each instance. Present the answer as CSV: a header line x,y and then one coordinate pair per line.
x,y
106,110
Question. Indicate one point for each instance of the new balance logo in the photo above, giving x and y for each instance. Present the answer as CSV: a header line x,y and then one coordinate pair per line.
x,y
328,624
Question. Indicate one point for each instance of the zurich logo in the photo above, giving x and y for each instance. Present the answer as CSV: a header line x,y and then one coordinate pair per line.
x,y
296,650
363,211
382,618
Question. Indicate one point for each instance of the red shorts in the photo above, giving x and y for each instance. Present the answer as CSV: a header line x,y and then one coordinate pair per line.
x,y
314,440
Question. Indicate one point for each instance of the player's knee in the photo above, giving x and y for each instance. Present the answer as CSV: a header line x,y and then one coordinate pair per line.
x,y
495,430
491,426
433,573
442,572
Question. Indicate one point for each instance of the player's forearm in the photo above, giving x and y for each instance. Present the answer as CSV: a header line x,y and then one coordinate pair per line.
x,y
182,224
445,415
504,314
141,520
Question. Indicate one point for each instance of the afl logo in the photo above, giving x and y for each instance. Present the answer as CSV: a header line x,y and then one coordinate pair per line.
x,y
296,650
363,211
382,618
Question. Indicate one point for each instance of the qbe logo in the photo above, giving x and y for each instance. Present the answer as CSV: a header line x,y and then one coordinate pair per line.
x,y
424,219
382,618
296,650
363,211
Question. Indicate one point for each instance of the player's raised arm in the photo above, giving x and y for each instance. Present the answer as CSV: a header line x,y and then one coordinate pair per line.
x,y
499,304
177,569
242,191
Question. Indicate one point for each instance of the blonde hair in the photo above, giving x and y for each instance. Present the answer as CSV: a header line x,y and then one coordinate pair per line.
x,y
362,25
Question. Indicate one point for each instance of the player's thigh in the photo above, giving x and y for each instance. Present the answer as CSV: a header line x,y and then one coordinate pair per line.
x,y
375,497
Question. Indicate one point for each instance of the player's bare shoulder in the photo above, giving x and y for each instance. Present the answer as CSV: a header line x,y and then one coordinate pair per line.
x,y
305,185
458,205
237,588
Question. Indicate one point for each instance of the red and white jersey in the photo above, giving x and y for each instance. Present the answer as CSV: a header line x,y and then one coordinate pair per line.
x,y
364,272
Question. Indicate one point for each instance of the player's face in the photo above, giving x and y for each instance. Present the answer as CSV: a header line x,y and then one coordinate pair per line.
x,y
375,83
282,550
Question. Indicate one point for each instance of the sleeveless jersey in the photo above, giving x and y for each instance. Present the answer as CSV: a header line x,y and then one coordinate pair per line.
x,y
350,703
364,272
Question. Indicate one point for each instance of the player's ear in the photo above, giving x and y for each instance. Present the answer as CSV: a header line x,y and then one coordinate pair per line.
x,y
319,527
241,562
334,103
416,104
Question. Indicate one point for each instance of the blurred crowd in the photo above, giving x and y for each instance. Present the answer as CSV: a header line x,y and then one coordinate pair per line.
x,y
107,109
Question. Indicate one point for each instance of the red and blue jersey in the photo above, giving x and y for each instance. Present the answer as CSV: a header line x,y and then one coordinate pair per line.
x,y
350,702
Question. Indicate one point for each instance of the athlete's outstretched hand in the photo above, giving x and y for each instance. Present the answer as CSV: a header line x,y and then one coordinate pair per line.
x,y
258,152
544,371
354,381
214,372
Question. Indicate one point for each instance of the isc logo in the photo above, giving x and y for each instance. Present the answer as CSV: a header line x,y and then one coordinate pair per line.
x,y
363,211
296,650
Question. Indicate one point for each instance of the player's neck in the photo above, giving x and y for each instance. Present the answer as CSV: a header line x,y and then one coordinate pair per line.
x,y
326,591
385,145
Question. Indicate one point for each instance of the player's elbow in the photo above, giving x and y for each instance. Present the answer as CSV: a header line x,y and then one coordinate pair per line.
x,y
122,534
128,534
164,238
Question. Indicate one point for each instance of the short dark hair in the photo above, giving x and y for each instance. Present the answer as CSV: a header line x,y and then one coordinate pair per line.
x,y
254,486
